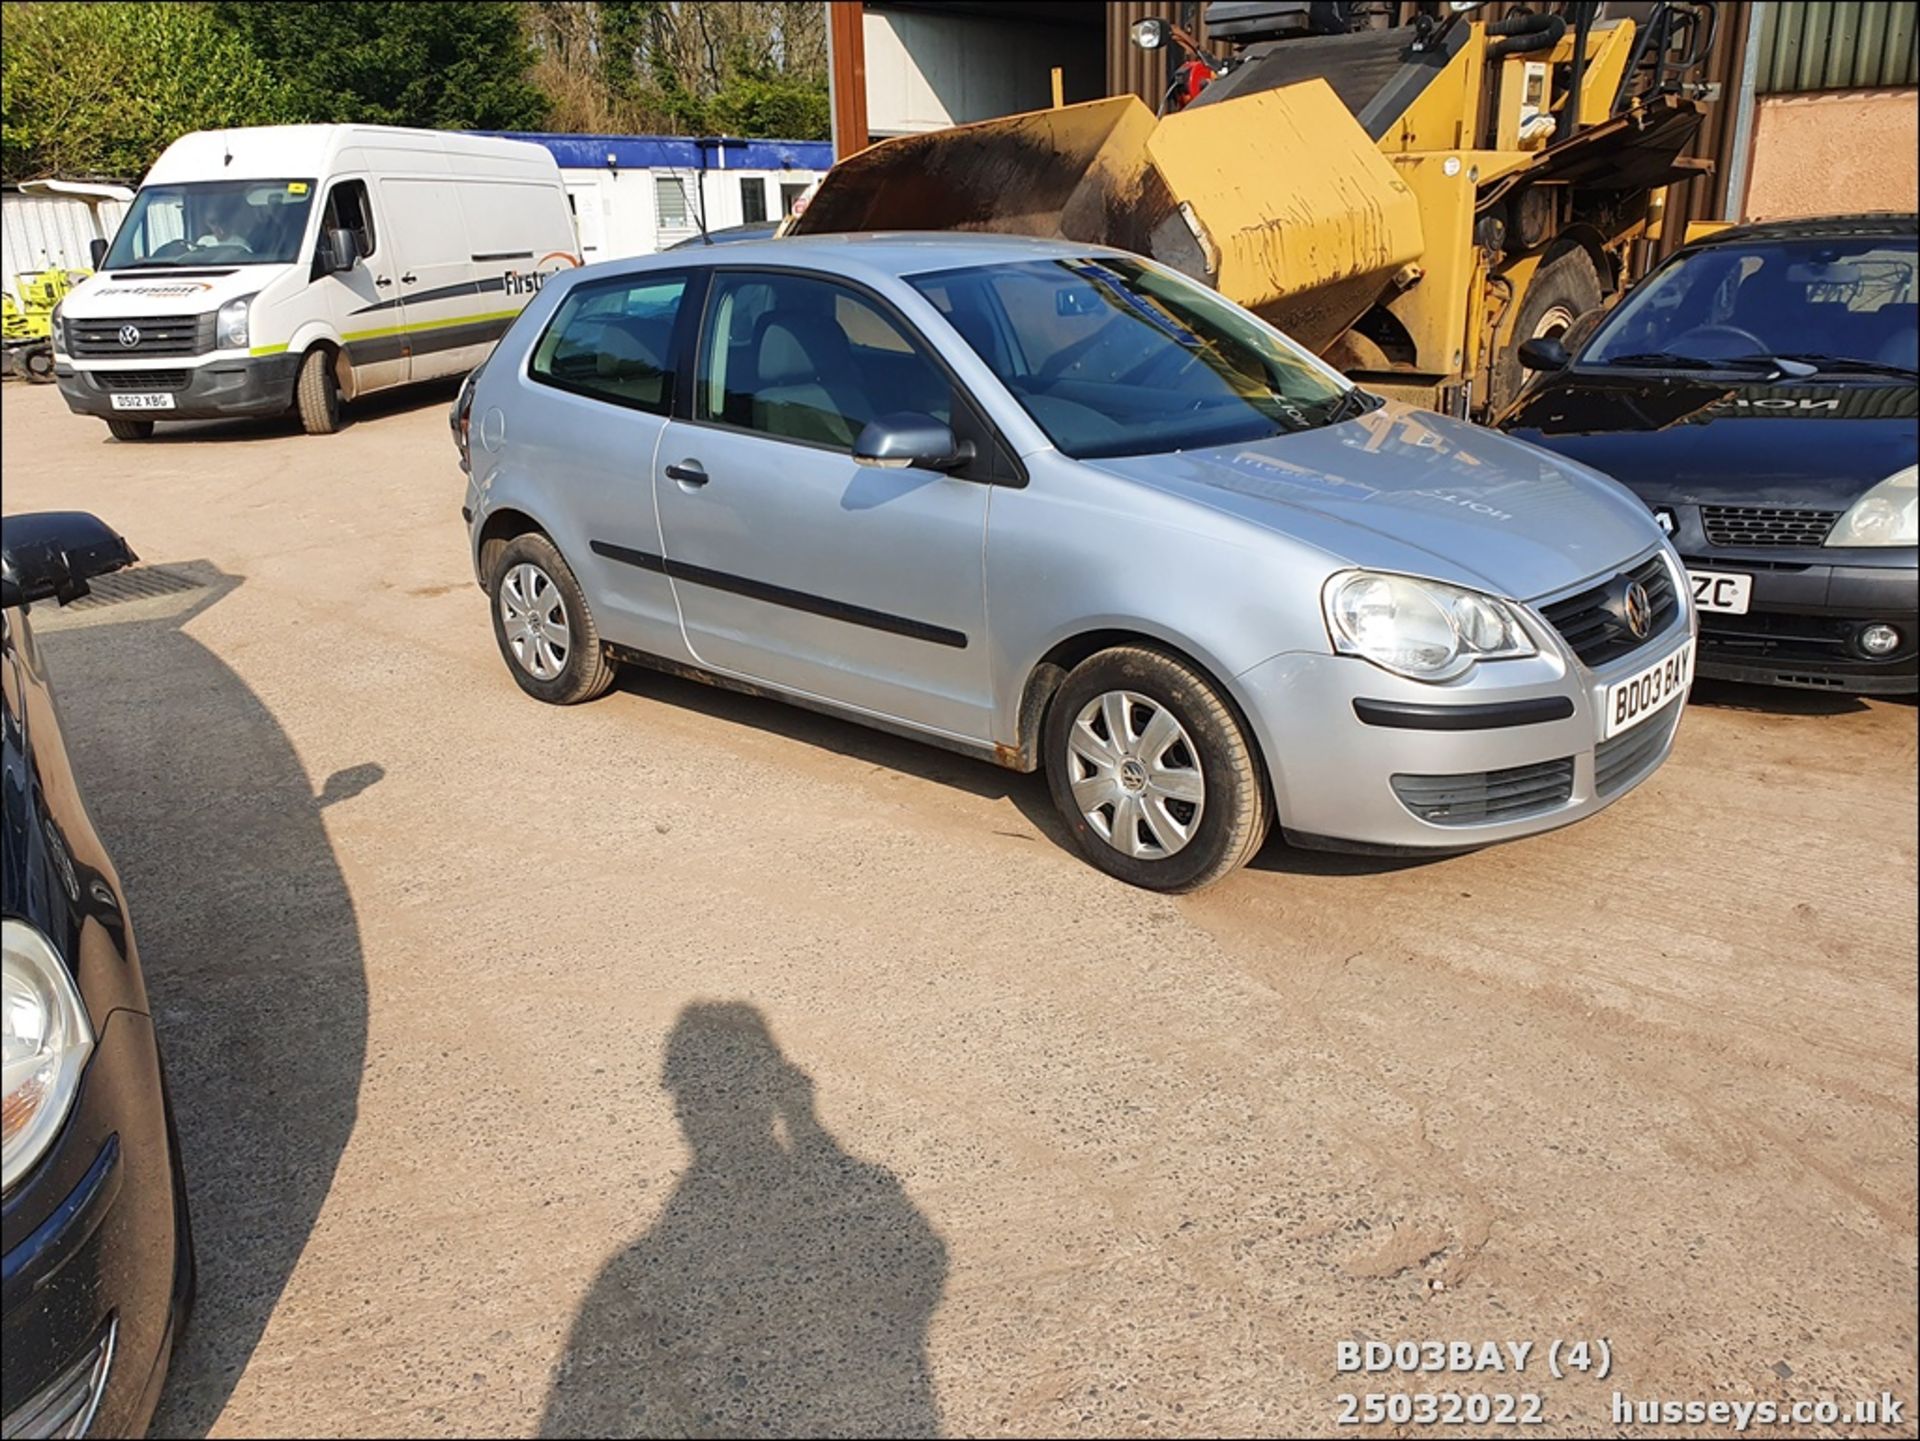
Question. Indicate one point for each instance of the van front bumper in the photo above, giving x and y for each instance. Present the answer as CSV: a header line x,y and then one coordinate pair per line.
x,y
240,385
1361,759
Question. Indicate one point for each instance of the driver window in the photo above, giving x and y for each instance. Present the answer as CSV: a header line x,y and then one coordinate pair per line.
x,y
350,208
807,360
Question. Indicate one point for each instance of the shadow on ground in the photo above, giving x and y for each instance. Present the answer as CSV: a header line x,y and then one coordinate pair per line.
x,y
787,1286
374,408
248,940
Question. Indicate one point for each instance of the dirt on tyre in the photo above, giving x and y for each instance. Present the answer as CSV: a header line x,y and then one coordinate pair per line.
x,y
1563,290
1154,771
130,429
317,394
542,625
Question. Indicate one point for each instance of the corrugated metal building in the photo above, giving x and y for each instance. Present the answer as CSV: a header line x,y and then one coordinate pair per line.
x,y
49,232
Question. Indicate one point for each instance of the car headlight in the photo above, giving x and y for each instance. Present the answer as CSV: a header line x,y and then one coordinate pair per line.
x,y
1889,514
230,331
1423,629
47,1041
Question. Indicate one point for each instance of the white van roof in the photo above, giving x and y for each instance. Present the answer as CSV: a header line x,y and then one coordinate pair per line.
x,y
293,152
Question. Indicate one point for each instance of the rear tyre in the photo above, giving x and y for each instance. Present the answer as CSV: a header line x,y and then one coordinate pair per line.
x,y
1153,771
1563,290
317,394
131,429
543,627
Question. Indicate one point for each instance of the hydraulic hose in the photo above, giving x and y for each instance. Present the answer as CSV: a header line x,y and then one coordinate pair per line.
x,y
1524,34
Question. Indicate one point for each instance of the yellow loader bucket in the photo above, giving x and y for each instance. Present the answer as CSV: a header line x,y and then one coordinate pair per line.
x,y
1279,199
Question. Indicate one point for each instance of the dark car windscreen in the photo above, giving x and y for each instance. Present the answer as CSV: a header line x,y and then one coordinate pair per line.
x,y
1113,357
214,222
1850,298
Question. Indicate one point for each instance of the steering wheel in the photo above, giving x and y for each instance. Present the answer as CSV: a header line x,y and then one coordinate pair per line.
x,y
1710,333
172,247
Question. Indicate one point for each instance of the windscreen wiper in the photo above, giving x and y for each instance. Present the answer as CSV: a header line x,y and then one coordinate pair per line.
x,y
1821,362
1668,360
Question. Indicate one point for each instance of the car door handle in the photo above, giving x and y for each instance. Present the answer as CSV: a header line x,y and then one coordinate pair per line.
x,y
384,280
408,279
688,473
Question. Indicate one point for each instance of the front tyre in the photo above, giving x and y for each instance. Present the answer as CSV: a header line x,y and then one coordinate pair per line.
x,y
541,622
130,429
1153,771
317,394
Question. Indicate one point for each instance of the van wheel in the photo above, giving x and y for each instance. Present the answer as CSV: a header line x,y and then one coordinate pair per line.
x,y
544,629
318,394
1153,772
131,429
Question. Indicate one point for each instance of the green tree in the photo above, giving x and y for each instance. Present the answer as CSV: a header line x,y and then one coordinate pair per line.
x,y
454,65
102,89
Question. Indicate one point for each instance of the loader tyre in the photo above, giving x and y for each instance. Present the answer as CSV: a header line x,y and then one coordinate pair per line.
x,y
317,395
1563,290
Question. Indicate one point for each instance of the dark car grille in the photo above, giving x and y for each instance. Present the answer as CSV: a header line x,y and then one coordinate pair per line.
x,y
173,380
1593,623
1628,756
1477,796
158,335
1765,525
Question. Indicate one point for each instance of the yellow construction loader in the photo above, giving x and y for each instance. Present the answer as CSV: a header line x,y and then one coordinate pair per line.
x,y
1413,200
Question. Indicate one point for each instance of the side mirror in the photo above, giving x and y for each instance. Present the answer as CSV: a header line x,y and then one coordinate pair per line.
x,y
52,556
895,442
1544,352
96,251
343,250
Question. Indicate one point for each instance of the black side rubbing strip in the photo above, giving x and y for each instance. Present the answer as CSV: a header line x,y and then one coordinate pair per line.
x,y
502,255
780,595
1411,716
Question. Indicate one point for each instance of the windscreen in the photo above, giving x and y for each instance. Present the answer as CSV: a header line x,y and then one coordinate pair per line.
x,y
214,222
1111,356
1842,298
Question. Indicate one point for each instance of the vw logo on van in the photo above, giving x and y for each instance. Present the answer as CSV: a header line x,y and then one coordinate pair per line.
x,y
129,335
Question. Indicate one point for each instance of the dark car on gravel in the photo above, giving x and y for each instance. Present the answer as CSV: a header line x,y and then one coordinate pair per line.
x,y
99,1259
1758,391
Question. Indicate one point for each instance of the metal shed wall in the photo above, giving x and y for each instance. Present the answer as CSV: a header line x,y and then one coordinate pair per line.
x,y
45,232
1821,45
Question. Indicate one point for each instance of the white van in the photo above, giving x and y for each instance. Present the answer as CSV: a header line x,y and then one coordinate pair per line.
x,y
291,267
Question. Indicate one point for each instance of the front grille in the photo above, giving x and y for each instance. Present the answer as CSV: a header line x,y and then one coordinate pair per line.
x,y
157,335
1765,525
1594,622
1620,762
1477,796
65,1405
171,380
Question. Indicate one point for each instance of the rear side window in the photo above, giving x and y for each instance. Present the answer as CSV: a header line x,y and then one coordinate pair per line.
x,y
613,341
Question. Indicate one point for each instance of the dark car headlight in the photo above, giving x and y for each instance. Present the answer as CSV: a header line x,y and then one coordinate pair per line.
x,y
47,1041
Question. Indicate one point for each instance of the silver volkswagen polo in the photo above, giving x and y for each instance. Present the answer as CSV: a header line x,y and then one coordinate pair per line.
x,y
1063,509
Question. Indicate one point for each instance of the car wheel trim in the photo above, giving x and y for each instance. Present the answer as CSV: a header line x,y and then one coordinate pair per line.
x,y
534,617
1135,775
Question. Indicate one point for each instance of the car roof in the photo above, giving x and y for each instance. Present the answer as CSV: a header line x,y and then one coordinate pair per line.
x,y
871,254
1890,224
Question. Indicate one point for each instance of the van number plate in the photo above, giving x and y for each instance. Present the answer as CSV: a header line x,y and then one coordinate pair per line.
x,y
1630,701
143,400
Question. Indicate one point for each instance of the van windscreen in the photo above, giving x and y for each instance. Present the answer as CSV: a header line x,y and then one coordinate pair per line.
x,y
214,222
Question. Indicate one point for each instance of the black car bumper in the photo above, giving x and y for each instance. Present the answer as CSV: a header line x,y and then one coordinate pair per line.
x,y
95,1281
245,385
1806,618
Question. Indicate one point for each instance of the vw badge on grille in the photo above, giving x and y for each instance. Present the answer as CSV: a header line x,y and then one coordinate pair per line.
x,y
129,335
1639,610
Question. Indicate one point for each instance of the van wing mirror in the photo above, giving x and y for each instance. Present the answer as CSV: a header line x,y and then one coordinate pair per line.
x,y
896,441
343,250
53,554
97,251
